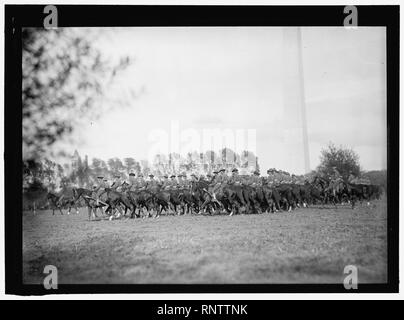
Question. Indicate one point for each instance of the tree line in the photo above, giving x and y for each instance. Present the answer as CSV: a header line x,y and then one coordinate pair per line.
x,y
82,172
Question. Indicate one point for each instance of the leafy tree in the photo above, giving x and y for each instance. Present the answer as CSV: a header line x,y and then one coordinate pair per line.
x,y
345,160
248,159
130,163
377,177
228,157
64,76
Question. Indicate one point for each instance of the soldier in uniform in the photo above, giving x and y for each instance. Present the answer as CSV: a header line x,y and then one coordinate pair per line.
x,y
286,177
208,177
132,181
214,177
99,189
270,177
277,177
152,183
234,179
173,182
218,182
105,183
194,177
140,182
117,183
165,184
183,182
255,179
300,180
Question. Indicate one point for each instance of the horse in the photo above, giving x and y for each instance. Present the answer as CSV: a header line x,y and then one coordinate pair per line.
x,y
53,201
90,200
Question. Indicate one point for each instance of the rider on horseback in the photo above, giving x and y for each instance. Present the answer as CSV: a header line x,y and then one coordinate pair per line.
x,y
132,181
254,180
140,182
117,183
182,181
98,190
219,182
173,182
166,184
151,184
270,179
235,178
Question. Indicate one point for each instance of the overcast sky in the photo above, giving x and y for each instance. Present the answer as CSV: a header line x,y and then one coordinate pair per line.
x,y
232,78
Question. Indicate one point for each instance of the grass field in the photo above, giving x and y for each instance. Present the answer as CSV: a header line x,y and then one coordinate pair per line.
x,y
305,246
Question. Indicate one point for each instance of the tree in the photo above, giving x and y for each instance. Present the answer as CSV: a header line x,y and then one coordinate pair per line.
x,y
64,76
377,177
344,159
228,157
248,160
130,163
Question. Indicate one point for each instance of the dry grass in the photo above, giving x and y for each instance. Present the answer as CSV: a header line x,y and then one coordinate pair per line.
x,y
305,246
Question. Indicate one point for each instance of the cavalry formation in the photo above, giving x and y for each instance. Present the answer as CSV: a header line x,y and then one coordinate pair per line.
x,y
211,194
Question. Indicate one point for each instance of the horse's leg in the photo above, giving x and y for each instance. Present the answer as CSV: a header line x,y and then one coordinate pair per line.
x,y
89,213
120,211
256,205
95,211
133,212
174,208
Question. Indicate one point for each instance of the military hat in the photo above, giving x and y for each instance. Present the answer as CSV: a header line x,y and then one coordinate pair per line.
x,y
132,174
100,177
234,170
151,175
173,176
222,170
256,173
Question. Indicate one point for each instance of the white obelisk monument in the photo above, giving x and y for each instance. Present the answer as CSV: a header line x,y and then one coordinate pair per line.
x,y
295,146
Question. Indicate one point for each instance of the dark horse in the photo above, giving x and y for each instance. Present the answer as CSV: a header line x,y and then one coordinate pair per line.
x,y
91,202
54,202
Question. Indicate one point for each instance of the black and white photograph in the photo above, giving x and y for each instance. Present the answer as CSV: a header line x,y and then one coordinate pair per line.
x,y
204,155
